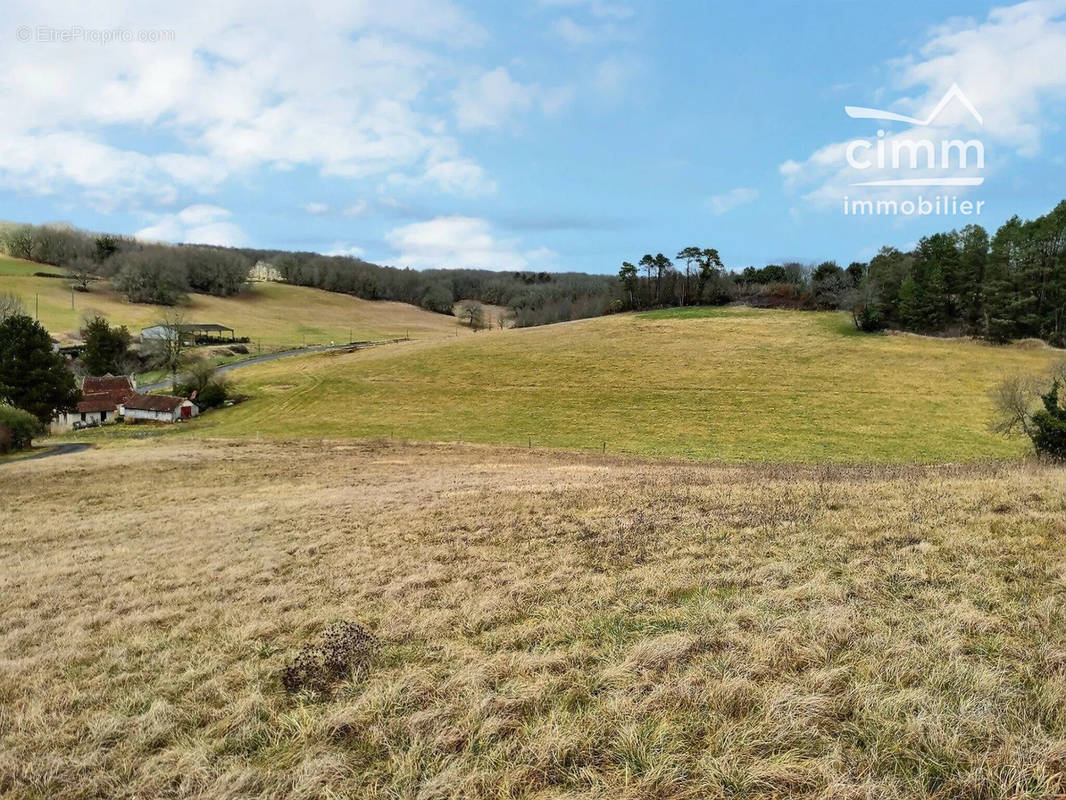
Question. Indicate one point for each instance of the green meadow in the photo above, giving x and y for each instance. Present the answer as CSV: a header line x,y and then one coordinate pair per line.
x,y
718,384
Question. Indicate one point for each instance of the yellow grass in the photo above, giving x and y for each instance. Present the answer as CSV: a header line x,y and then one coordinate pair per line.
x,y
549,626
738,385
276,315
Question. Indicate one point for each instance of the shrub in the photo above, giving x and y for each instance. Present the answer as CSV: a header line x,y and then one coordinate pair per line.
x,y
20,426
344,649
1049,425
868,318
213,394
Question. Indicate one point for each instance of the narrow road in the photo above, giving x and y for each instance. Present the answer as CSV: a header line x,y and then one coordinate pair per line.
x,y
61,449
247,362
65,448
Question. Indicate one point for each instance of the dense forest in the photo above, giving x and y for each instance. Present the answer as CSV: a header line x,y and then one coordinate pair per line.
x,y
1008,286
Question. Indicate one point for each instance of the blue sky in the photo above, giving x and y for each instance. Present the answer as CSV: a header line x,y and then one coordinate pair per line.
x,y
552,134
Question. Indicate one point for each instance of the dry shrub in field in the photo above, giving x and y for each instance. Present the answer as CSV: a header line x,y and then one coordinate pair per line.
x,y
345,649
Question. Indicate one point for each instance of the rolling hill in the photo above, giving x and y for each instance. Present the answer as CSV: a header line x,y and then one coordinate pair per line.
x,y
730,384
276,315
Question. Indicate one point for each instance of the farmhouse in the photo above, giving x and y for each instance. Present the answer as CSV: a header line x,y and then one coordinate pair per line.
x,y
158,408
102,399
199,332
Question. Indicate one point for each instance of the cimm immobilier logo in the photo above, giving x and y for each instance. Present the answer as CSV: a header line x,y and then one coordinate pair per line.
x,y
904,160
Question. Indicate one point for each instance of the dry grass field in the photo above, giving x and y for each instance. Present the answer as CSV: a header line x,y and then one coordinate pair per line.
x,y
276,315
550,625
732,384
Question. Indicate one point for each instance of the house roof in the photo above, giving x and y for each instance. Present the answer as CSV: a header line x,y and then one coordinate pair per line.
x,y
117,389
153,402
93,403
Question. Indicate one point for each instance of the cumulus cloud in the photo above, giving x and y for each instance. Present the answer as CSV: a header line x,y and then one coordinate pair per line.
x,y
340,91
316,208
495,98
1011,66
195,224
721,203
456,241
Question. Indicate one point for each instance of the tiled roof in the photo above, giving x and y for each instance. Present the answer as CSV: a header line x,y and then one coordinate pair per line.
x,y
99,401
153,402
107,383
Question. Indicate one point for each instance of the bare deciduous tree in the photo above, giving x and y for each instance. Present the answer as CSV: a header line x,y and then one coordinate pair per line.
x,y
10,305
473,313
167,351
1014,399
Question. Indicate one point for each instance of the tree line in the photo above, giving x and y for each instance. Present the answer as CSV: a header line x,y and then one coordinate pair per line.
x,y
963,282
1007,286
165,274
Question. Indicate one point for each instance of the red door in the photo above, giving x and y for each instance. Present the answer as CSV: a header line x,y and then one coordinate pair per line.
x,y
186,412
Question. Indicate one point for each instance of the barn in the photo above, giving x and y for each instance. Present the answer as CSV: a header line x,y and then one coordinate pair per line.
x,y
158,408
199,333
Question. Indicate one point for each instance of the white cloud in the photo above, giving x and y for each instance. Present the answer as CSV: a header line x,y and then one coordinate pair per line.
x,y
345,249
602,23
491,100
202,214
1012,67
224,234
494,99
721,203
341,91
195,224
460,176
316,208
356,209
457,241
597,8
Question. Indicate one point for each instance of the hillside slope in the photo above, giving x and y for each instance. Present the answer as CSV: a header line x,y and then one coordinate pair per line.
x,y
736,384
274,314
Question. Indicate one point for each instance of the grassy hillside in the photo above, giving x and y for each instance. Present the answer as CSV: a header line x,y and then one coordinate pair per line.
x,y
275,314
548,626
735,384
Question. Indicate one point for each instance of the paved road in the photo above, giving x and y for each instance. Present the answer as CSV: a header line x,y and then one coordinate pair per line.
x,y
61,449
247,362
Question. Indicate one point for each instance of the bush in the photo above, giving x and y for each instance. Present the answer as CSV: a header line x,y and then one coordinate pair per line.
x,y
212,395
345,649
868,318
20,426
1049,426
